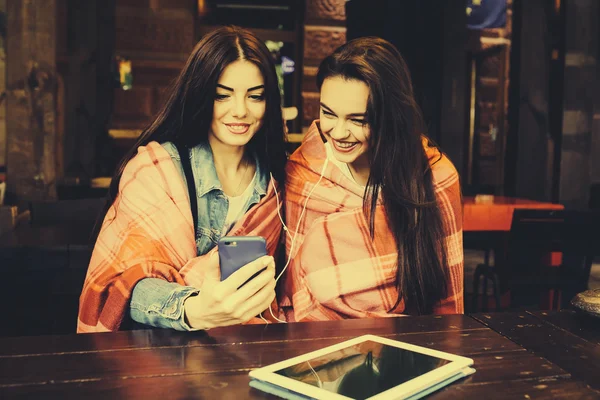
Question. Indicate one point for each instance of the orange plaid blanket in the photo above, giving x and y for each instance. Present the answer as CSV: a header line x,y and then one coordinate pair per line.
x,y
337,270
148,232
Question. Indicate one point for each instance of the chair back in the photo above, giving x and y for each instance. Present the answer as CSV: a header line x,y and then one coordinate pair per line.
x,y
536,234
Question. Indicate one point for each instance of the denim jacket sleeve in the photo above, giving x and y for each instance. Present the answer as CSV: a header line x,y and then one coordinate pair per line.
x,y
159,303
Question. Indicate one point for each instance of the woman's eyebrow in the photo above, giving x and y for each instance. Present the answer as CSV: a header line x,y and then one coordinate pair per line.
x,y
349,115
225,87
327,108
249,89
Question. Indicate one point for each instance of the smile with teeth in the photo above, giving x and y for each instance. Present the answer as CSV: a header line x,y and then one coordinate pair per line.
x,y
344,146
238,128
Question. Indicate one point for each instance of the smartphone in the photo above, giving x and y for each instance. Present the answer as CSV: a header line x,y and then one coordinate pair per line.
x,y
237,251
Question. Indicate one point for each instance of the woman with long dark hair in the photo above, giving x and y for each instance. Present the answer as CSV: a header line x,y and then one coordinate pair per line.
x,y
206,167
374,208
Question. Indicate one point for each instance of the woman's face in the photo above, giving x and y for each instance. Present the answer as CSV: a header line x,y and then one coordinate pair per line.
x,y
344,118
239,105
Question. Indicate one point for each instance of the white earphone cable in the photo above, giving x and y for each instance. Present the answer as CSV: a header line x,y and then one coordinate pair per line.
x,y
285,228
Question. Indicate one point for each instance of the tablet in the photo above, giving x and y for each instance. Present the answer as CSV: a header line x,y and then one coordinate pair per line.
x,y
367,367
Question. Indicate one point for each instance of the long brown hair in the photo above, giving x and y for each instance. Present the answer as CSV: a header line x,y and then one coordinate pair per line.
x,y
400,168
187,114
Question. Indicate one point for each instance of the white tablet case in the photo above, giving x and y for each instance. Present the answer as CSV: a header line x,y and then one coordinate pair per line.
x,y
292,395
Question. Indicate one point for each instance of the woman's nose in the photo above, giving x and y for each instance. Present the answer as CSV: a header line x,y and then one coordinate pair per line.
x,y
339,131
239,108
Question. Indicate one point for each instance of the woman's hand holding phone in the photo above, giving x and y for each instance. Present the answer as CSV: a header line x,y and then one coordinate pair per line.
x,y
226,303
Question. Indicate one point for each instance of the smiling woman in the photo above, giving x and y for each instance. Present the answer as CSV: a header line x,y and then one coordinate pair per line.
x,y
344,121
376,206
237,116
239,105
208,166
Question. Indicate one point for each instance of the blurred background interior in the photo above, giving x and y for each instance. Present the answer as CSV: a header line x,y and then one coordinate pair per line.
x,y
508,88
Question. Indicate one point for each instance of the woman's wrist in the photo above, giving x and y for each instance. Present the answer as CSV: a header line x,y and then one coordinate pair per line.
x,y
191,305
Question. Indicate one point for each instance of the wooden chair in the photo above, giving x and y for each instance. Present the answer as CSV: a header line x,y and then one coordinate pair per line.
x,y
534,236
483,273
483,242
49,257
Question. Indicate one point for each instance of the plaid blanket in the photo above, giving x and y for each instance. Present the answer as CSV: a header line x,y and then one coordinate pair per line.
x,y
337,270
148,232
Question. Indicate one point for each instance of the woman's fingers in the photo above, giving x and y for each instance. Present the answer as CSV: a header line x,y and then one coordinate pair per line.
x,y
228,303
237,309
254,286
237,279
257,303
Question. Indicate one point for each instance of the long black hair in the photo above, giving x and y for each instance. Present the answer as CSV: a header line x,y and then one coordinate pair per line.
x,y
399,167
186,116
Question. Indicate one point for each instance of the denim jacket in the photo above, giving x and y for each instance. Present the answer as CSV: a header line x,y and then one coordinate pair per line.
x,y
159,303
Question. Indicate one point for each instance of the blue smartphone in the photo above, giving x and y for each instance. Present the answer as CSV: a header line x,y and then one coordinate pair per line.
x,y
237,251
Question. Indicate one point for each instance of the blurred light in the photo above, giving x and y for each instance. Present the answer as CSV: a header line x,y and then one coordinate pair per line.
x,y
125,76
287,65
202,8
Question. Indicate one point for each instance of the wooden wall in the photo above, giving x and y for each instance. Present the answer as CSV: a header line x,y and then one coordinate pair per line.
x,y
453,125
324,31
553,137
85,45
531,140
3,93
157,35
31,81
580,89
490,56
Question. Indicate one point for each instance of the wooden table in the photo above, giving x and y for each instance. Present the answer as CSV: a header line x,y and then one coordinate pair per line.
x,y
215,364
566,338
496,215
